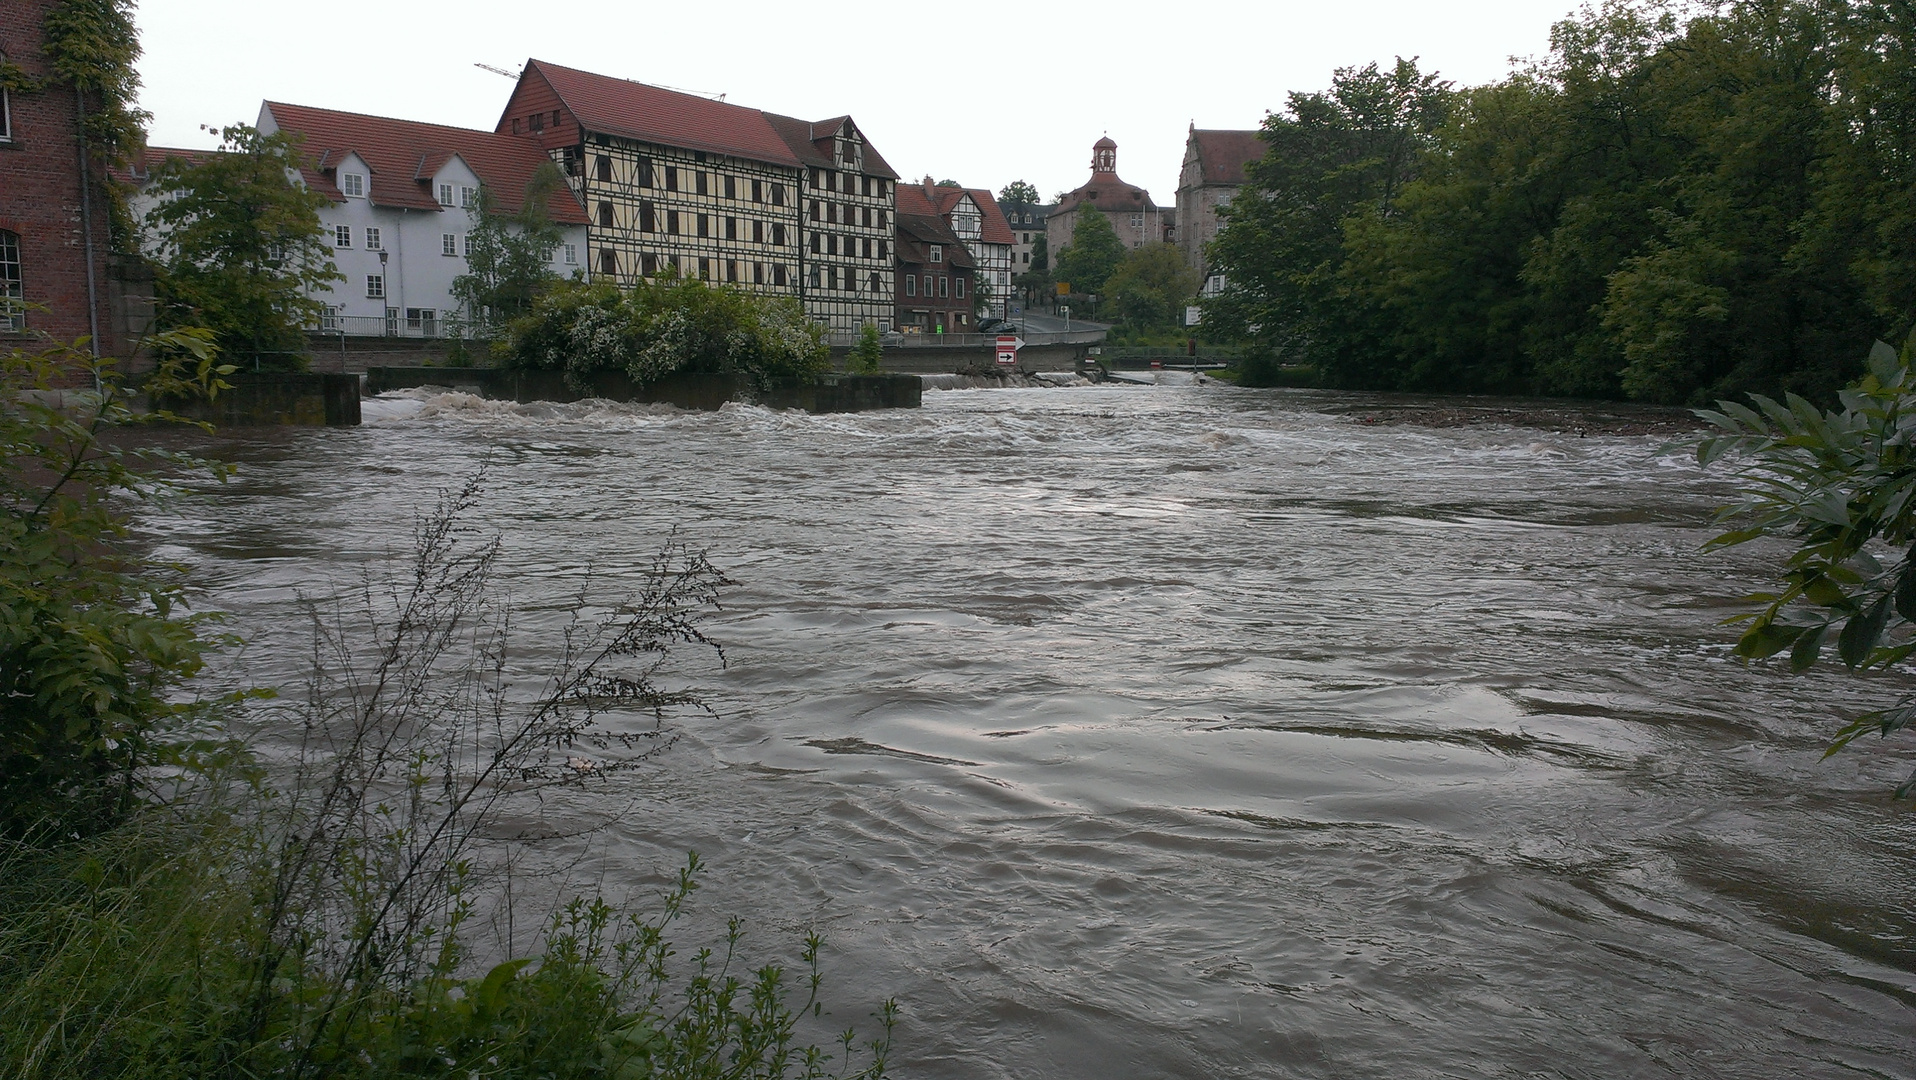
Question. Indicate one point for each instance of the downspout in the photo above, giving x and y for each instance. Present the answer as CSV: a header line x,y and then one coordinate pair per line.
x,y
86,228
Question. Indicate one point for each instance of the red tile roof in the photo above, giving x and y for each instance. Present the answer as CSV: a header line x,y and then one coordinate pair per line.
x,y
1223,154
667,117
152,157
811,142
403,156
938,201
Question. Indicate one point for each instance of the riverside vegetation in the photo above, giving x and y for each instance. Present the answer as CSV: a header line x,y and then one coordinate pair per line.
x,y
1673,204
177,902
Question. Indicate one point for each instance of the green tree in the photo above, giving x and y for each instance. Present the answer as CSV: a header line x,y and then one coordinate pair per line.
x,y
1334,159
1150,288
1094,252
1018,193
509,259
865,355
1832,484
238,248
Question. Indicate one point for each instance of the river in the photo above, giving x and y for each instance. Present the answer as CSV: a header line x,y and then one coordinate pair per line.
x,y
1186,731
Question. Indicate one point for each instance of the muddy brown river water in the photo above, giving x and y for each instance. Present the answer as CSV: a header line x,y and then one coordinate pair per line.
x,y
1185,732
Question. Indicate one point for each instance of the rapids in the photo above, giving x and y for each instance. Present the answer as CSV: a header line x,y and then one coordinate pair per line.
x,y
1184,731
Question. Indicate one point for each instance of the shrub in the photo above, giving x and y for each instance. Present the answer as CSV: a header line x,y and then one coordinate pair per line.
x,y
865,356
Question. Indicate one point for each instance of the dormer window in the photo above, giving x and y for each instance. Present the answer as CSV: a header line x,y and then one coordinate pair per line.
x,y
445,194
937,253
352,185
468,197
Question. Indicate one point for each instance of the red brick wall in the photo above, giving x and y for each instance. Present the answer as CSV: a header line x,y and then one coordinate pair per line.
x,y
40,193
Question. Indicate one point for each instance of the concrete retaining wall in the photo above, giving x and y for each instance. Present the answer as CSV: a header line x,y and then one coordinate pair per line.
x,y
822,394
306,399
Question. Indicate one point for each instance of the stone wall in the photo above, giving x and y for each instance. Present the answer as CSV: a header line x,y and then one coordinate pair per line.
x,y
305,399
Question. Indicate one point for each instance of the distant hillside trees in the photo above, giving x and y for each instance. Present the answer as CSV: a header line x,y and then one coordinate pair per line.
x,y
1665,210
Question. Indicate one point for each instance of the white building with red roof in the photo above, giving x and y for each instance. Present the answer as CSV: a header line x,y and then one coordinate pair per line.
x,y
401,199
677,182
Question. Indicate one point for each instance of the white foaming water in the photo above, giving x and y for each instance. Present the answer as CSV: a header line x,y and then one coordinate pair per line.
x,y
1142,732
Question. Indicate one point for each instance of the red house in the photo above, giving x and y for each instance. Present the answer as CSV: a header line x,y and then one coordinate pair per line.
x,y
934,278
53,223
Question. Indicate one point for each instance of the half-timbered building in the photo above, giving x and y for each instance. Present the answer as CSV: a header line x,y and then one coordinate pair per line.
x,y
974,216
676,182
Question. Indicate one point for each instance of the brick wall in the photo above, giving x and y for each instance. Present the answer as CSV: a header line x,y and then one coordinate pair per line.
x,y
40,195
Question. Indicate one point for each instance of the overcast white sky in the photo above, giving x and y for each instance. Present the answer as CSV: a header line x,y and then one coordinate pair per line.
x,y
983,95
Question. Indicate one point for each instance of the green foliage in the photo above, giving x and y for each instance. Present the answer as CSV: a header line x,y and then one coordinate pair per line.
x,y
95,646
93,45
667,325
1661,209
1040,253
1150,288
1093,254
238,248
865,355
1018,193
1840,485
509,256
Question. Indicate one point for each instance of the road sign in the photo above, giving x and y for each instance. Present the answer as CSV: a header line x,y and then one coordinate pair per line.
x,y
1008,346
1193,316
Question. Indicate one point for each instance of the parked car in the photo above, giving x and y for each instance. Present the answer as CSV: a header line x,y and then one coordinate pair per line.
x,y
996,326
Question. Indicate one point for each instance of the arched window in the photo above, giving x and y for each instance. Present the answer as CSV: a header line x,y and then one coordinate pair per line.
x,y
13,313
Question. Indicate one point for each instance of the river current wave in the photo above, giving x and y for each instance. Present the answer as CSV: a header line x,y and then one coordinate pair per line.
x,y
1183,731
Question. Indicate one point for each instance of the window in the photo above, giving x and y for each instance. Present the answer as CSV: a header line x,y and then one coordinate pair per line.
x,y
342,236
424,320
672,222
831,245
608,261
448,244
938,253
705,269
572,254
604,166
813,278
375,286
758,190
329,318
944,285
874,283
778,274
778,194
731,229
643,170
468,246
758,232
884,250
958,287
468,197
649,264
352,185
814,209
372,238
731,269
445,194
865,248
6,117
778,235
671,178
703,180
928,285
731,190
816,245
705,222
537,121
881,219
648,219
1027,258
605,214
555,118
392,322
13,298
911,284
515,125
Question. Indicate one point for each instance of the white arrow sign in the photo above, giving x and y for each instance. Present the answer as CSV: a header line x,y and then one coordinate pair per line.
x,y
1008,346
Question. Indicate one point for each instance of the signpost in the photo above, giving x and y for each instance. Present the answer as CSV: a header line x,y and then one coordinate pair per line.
x,y
1008,346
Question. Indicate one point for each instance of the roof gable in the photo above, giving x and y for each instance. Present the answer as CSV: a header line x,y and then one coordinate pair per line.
x,y
653,114
1223,155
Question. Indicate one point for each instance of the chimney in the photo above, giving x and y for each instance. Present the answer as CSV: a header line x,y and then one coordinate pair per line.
x,y
929,184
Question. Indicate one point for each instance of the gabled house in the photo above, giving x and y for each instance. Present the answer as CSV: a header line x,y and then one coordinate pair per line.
x,y
683,183
936,275
973,215
1214,169
401,195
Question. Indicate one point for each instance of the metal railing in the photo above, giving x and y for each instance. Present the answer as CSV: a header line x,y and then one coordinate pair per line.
x,y
1173,352
973,341
395,326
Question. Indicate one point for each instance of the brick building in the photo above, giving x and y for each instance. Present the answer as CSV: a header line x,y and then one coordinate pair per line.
x,y
973,215
936,272
716,191
53,227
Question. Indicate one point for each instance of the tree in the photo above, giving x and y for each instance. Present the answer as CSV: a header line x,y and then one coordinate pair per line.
x,y
949,183
509,261
1040,253
238,248
1094,252
865,356
1832,484
1018,193
1149,289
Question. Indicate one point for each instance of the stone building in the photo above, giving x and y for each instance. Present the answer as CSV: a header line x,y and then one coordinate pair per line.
x,y
719,192
55,275
1214,169
1133,216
